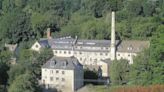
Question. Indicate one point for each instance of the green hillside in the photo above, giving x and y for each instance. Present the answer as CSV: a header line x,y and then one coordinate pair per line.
x,y
25,21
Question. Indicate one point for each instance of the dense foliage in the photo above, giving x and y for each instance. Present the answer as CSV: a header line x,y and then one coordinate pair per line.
x,y
119,71
27,69
23,21
151,88
25,82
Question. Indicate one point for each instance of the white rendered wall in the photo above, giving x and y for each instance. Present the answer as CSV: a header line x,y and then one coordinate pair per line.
x,y
126,55
67,85
36,47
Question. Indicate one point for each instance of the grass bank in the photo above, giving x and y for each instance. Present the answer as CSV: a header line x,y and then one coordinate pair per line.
x,y
151,88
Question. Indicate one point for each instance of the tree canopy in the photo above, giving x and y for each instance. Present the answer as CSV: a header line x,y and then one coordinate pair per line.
x,y
25,82
24,21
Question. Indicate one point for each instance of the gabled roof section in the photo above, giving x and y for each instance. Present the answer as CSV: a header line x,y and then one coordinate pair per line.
x,y
66,63
11,47
133,46
44,43
61,43
95,43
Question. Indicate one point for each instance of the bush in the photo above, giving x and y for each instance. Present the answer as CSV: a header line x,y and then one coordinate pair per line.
x,y
153,88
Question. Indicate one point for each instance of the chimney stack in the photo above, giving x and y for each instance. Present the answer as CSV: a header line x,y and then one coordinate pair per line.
x,y
113,49
49,33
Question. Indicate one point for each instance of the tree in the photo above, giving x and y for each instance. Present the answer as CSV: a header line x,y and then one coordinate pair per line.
x,y
140,72
149,8
4,66
0,6
20,3
15,71
88,74
41,59
96,8
157,56
40,22
116,5
3,72
27,55
8,5
5,56
95,30
16,27
119,71
29,61
148,65
44,55
24,83
124,29
135,7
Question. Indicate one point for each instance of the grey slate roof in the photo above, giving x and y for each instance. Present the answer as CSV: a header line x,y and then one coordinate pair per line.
x,y
69,43
132,46
95,43
61,43
67,63
44,43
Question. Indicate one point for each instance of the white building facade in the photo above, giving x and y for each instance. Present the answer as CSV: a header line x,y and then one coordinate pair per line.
x,y
93,53
62,74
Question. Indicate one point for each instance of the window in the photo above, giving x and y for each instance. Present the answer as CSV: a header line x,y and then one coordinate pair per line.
x,y
51,78
130,47
12,48
56,51
106,48
63,79
43,81
69,52
62,86
63,72
57,78
57,85
51,72
106,54
64,52
57,71
48,86
36,46
95,62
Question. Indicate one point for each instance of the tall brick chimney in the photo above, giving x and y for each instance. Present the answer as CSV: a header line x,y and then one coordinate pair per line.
x,y
49,33
113,47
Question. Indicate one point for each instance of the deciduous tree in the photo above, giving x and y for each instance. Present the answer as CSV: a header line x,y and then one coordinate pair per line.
x,y
119,71
24,83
